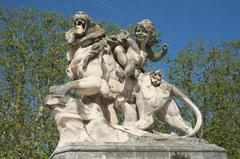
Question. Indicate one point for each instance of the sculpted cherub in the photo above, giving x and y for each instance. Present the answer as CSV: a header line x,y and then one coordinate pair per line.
x,y
133,55
145,33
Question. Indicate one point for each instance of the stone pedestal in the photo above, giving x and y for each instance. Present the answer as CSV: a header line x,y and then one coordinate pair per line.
x,y
161,150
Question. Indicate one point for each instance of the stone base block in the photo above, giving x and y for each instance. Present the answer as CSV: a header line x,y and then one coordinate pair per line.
x,y
161,150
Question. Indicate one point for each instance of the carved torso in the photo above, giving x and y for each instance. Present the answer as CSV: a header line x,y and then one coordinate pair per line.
x,y
76,70
150,98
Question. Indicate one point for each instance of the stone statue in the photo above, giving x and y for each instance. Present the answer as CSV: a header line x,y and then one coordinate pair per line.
x,y
106,72
155,98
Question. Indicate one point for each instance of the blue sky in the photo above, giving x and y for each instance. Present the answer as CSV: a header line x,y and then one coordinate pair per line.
x,y
179,21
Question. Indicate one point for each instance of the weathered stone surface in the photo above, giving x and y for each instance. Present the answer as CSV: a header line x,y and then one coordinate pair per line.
x,y
161,150
106,73
94,66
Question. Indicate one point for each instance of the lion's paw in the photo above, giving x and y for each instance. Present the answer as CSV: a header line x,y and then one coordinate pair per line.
x,y
142,124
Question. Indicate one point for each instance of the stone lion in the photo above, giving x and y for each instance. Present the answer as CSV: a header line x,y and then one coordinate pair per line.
x,y
154,98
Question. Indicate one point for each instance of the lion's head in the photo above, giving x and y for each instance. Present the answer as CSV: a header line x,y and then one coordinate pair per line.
x,y
82,27
156,77
81,22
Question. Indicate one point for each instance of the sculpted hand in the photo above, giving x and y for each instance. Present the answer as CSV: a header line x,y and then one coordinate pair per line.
x,y
165,48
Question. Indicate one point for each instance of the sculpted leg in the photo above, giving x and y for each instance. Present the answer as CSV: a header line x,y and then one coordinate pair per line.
x,y
112,114
146,115
145,122
129,111
130,68
128,71
87,86
171,115
130,114
109,112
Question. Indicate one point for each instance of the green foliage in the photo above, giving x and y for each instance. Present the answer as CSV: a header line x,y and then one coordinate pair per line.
x,y
112,29
210,77
109,28
32,58
160,126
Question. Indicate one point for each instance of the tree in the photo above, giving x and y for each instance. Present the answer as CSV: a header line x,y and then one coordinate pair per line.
x,y
32,48
32,58
210,77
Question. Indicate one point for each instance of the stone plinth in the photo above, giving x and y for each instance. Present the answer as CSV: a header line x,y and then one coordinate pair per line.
x,y
161,150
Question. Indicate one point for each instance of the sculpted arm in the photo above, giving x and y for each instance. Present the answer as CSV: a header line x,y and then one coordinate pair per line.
x,y
133,45
121,52
157,56
121,55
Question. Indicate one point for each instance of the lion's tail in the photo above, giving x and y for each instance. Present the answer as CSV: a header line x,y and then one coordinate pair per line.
x,y
179,94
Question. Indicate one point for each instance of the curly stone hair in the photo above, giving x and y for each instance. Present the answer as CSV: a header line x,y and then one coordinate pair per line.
x,y
148,26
